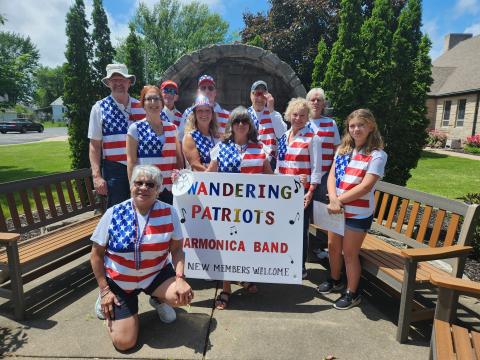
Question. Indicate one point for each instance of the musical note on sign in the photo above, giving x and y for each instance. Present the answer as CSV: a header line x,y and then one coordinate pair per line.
x,y
184,212
233,230
291,259
298,185
294,220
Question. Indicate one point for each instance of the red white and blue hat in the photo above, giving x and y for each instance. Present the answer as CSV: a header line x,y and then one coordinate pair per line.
x,y
206,79
201,100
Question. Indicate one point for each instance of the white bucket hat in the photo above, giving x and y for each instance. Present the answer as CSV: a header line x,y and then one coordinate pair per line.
x,y
120,69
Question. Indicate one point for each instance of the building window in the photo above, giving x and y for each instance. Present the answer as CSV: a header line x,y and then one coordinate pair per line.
x,y
446,112
462,103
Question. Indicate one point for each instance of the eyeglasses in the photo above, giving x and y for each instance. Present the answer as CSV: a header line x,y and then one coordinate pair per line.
x,y
209,88
243,121
153,98
148,184
170,91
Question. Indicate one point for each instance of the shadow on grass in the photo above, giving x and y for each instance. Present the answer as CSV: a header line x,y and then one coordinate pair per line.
x,y
10,173
432,155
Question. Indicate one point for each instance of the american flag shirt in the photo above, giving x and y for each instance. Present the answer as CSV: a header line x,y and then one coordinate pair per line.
x,y
326,129
249,161
204,145
341,163
114,128
266,132
133,260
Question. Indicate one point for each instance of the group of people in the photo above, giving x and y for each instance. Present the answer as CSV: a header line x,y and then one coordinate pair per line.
x,y
136,145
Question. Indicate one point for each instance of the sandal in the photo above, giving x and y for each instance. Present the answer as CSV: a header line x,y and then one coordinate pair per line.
x,y
221,302
249,287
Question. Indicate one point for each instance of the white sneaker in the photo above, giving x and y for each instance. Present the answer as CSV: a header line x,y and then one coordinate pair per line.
x,y
98,308
166,313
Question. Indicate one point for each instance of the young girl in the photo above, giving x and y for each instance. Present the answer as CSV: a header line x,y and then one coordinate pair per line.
x,y
358,164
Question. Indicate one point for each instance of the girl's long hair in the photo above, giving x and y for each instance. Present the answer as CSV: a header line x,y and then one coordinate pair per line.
x,y
240,113
374,139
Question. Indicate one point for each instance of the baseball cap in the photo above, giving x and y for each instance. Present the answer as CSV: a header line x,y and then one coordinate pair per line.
x,y
201,100
169,83
205,79
257,84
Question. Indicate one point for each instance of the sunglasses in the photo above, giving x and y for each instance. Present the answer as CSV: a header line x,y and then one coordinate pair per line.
x,y
259,93
148,184
170,91
153,98
243,121
209,88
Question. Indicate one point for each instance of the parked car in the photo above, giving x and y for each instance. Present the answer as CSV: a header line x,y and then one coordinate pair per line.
x,y
20,125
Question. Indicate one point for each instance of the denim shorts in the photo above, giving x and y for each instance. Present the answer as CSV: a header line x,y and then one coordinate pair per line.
x,y
129,300
360,225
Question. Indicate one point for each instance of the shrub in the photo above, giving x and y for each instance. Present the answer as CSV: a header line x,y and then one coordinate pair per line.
x,y
436,139
473,141
474,198
472,149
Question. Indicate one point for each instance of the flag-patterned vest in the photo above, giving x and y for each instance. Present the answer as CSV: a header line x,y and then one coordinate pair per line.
x,y
152,151
115,126
203,144
325,128
174,116
349,176
133,260
266,133
294,158
249,161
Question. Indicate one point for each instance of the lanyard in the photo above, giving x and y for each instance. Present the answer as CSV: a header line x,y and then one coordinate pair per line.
x,y
139,236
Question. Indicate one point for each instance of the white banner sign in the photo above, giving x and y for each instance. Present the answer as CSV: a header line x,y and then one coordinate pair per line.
x,y
242,227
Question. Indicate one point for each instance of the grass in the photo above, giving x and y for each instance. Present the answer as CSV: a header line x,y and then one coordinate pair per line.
x,y
54,124
447,176
32,160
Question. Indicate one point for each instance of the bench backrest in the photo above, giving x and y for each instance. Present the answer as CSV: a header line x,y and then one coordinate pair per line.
x,y
419,219
33,203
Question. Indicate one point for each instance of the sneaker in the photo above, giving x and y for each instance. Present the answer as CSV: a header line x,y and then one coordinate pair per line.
x,y
329,286
304,273
98,308
347,300
323,254
165,312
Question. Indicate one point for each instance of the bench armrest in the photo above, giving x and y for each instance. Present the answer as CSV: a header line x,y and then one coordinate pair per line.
x,y
462,285
6,238
427,254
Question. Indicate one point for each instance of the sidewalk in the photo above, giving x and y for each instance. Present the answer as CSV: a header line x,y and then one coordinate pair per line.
x,y
280,322
453,153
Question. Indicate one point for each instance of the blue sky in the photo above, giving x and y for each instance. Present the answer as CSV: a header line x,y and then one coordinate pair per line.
x,y
44,21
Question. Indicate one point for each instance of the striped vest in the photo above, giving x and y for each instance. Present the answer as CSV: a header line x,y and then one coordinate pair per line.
x,y
152,151
174,116
115,126
353,175
248,162
203,145
294,158
131,262
266,132
222,117
325,129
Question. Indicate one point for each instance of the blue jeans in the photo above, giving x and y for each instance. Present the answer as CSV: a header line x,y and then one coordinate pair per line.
x,y
321,191
115,174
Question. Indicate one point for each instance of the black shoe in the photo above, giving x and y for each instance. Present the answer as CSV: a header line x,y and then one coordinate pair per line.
x,y
329,286
347,300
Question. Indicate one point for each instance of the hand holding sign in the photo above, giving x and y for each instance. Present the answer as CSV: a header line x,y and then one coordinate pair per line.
x,y
182,182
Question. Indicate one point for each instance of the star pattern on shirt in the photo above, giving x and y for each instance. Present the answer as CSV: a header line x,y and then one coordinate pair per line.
x,y
149,143
341,163
204,145
229,159
122,229
282,147
254,117
114,120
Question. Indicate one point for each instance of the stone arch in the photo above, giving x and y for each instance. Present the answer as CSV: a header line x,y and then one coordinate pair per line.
x,y
235,67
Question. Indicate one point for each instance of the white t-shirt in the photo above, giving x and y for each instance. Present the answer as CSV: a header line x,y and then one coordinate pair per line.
x,y
133,131
95,122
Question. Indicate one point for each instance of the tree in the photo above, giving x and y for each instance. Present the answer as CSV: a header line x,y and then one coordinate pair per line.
x,y
343,71
49,85
320,64
257,41
78,95
103,49
18,62
134,60
171,30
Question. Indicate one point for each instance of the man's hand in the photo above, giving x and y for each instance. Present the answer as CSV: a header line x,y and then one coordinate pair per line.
x,y
183,291
270,102
107,305
100,185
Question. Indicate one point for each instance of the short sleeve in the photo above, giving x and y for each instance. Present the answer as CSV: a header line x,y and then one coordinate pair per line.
x,y
214,152
177,229
95,123
100,235
377,164
133,131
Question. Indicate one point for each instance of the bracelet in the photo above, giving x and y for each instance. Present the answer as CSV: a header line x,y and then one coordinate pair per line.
x,y
104,288
104,294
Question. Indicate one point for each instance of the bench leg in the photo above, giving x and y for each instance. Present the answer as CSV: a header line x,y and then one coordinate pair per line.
x,y
405,315
447,299
16,281
432,345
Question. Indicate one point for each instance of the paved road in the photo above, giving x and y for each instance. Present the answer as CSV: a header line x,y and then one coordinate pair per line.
x,y
16,138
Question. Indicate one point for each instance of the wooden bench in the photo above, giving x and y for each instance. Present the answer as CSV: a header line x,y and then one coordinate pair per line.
x,y
33,204
426,228
451,341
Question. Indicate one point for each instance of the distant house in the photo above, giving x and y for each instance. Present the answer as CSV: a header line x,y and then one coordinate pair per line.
x,y
454,96
58,110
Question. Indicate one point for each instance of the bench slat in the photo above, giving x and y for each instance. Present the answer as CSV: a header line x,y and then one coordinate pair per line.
x,y
401,215
383,207
376,196
39,204
437,227
81,192
391,213
61,198
476,343
51,203
443,340
452,230
13,211
71,195
427,211
412,219
461,339
88,185
26,207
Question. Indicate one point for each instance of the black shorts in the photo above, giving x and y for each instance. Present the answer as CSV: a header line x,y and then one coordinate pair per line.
x,y
129,300
359,225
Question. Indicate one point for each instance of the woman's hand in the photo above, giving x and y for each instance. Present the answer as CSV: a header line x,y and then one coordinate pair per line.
x,y
335,206
303,179
307,199
183,291
175,175
107,305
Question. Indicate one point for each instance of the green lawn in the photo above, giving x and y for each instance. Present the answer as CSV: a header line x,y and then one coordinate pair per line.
x,y
447,176
34,159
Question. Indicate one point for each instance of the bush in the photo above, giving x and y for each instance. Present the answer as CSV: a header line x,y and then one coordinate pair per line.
x,y
436,139
472,149
474,198
473,141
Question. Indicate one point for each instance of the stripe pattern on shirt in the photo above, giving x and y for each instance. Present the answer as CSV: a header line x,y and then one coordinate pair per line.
x,y
266,132
294,157
122,249
203,145
152,151
325,129
115,126
249,161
